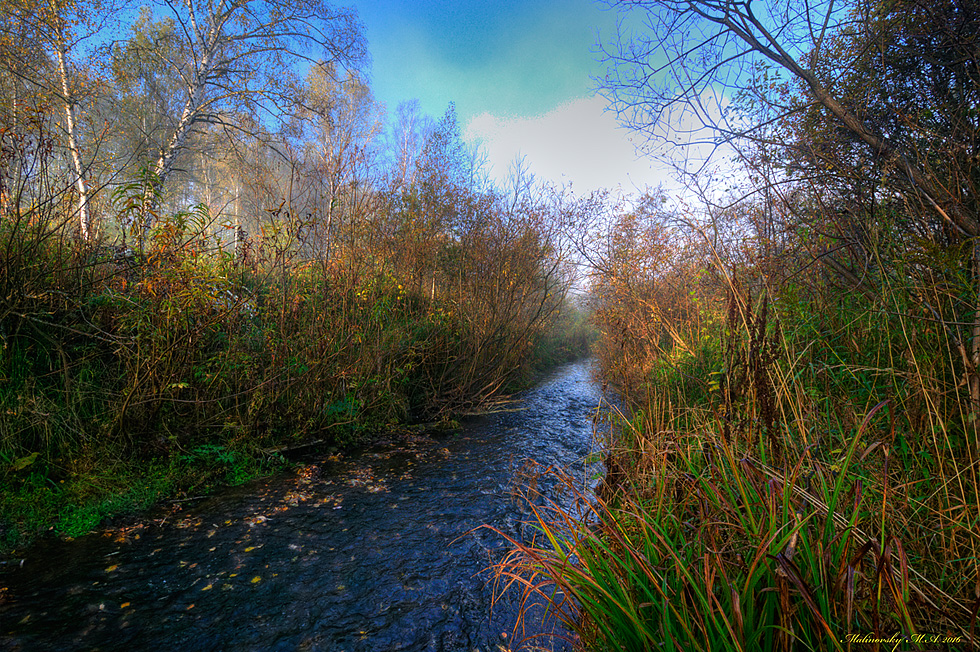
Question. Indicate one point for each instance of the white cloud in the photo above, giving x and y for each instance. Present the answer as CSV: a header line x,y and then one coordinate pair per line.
x,y
579,142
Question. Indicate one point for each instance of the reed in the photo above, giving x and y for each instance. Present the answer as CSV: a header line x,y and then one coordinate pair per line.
x,y
711,548
791,468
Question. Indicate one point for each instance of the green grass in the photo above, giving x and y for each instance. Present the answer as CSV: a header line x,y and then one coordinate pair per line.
x,y
798,485
49,499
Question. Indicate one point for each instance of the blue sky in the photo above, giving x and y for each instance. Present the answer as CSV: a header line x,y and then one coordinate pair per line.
x,y
520,73
510,58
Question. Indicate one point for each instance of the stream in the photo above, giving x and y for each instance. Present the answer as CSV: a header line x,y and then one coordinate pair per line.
x,y
380,551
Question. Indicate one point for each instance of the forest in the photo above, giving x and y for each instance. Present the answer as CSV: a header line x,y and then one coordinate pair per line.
x,y
216,244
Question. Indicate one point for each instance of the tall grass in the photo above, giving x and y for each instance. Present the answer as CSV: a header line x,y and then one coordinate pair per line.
x,y
794,469
713,549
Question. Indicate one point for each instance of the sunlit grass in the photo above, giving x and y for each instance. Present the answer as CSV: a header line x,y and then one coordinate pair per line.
x,y
786,473
712,549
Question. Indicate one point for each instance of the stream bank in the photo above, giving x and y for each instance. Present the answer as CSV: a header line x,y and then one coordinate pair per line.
x,y
382,550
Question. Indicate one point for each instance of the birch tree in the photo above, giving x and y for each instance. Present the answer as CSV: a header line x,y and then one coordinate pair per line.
x,y
342,130
147,91
60,28
237,57
408,135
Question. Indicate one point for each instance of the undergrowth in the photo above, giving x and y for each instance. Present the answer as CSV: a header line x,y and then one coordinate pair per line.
x,y
791,470
131,375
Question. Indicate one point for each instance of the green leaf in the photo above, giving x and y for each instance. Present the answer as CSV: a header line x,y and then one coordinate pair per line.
x,y
24,462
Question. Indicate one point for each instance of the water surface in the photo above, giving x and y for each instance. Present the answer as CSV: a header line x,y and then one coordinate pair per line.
x,y
380,551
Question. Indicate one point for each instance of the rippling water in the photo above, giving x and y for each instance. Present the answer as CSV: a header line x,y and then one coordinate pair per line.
x,y
380,551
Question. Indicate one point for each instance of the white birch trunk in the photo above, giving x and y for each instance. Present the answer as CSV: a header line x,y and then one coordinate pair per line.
x,y
164,164
84,214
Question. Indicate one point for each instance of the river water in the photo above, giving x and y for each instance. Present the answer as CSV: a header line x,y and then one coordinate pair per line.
x,y
380,551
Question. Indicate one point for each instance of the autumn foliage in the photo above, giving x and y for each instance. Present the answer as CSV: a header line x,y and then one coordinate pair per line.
x,y
793,449
334,305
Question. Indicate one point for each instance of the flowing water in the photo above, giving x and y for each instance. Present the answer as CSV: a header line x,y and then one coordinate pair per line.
x,y
379,551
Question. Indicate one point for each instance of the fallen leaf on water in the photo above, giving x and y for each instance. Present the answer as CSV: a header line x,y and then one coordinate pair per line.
x,y
208,587
112,568
256,579
124,605
190,606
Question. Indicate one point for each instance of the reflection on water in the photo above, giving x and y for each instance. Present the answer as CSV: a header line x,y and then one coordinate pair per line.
x,y
381,551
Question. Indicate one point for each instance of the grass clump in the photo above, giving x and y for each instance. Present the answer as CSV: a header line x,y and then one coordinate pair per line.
x,y
713,549
786,470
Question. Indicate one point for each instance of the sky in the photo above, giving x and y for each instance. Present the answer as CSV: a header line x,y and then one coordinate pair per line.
x,y
520,73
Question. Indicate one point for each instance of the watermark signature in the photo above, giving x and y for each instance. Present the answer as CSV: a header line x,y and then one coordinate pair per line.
x,y
897,639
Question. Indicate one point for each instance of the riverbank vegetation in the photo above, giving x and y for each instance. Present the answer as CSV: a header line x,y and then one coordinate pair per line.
x,y
202,267
796,462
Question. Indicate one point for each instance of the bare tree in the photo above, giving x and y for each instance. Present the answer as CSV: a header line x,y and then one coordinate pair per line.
x,y
60,29
689,55
342,128
406,140
239,57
